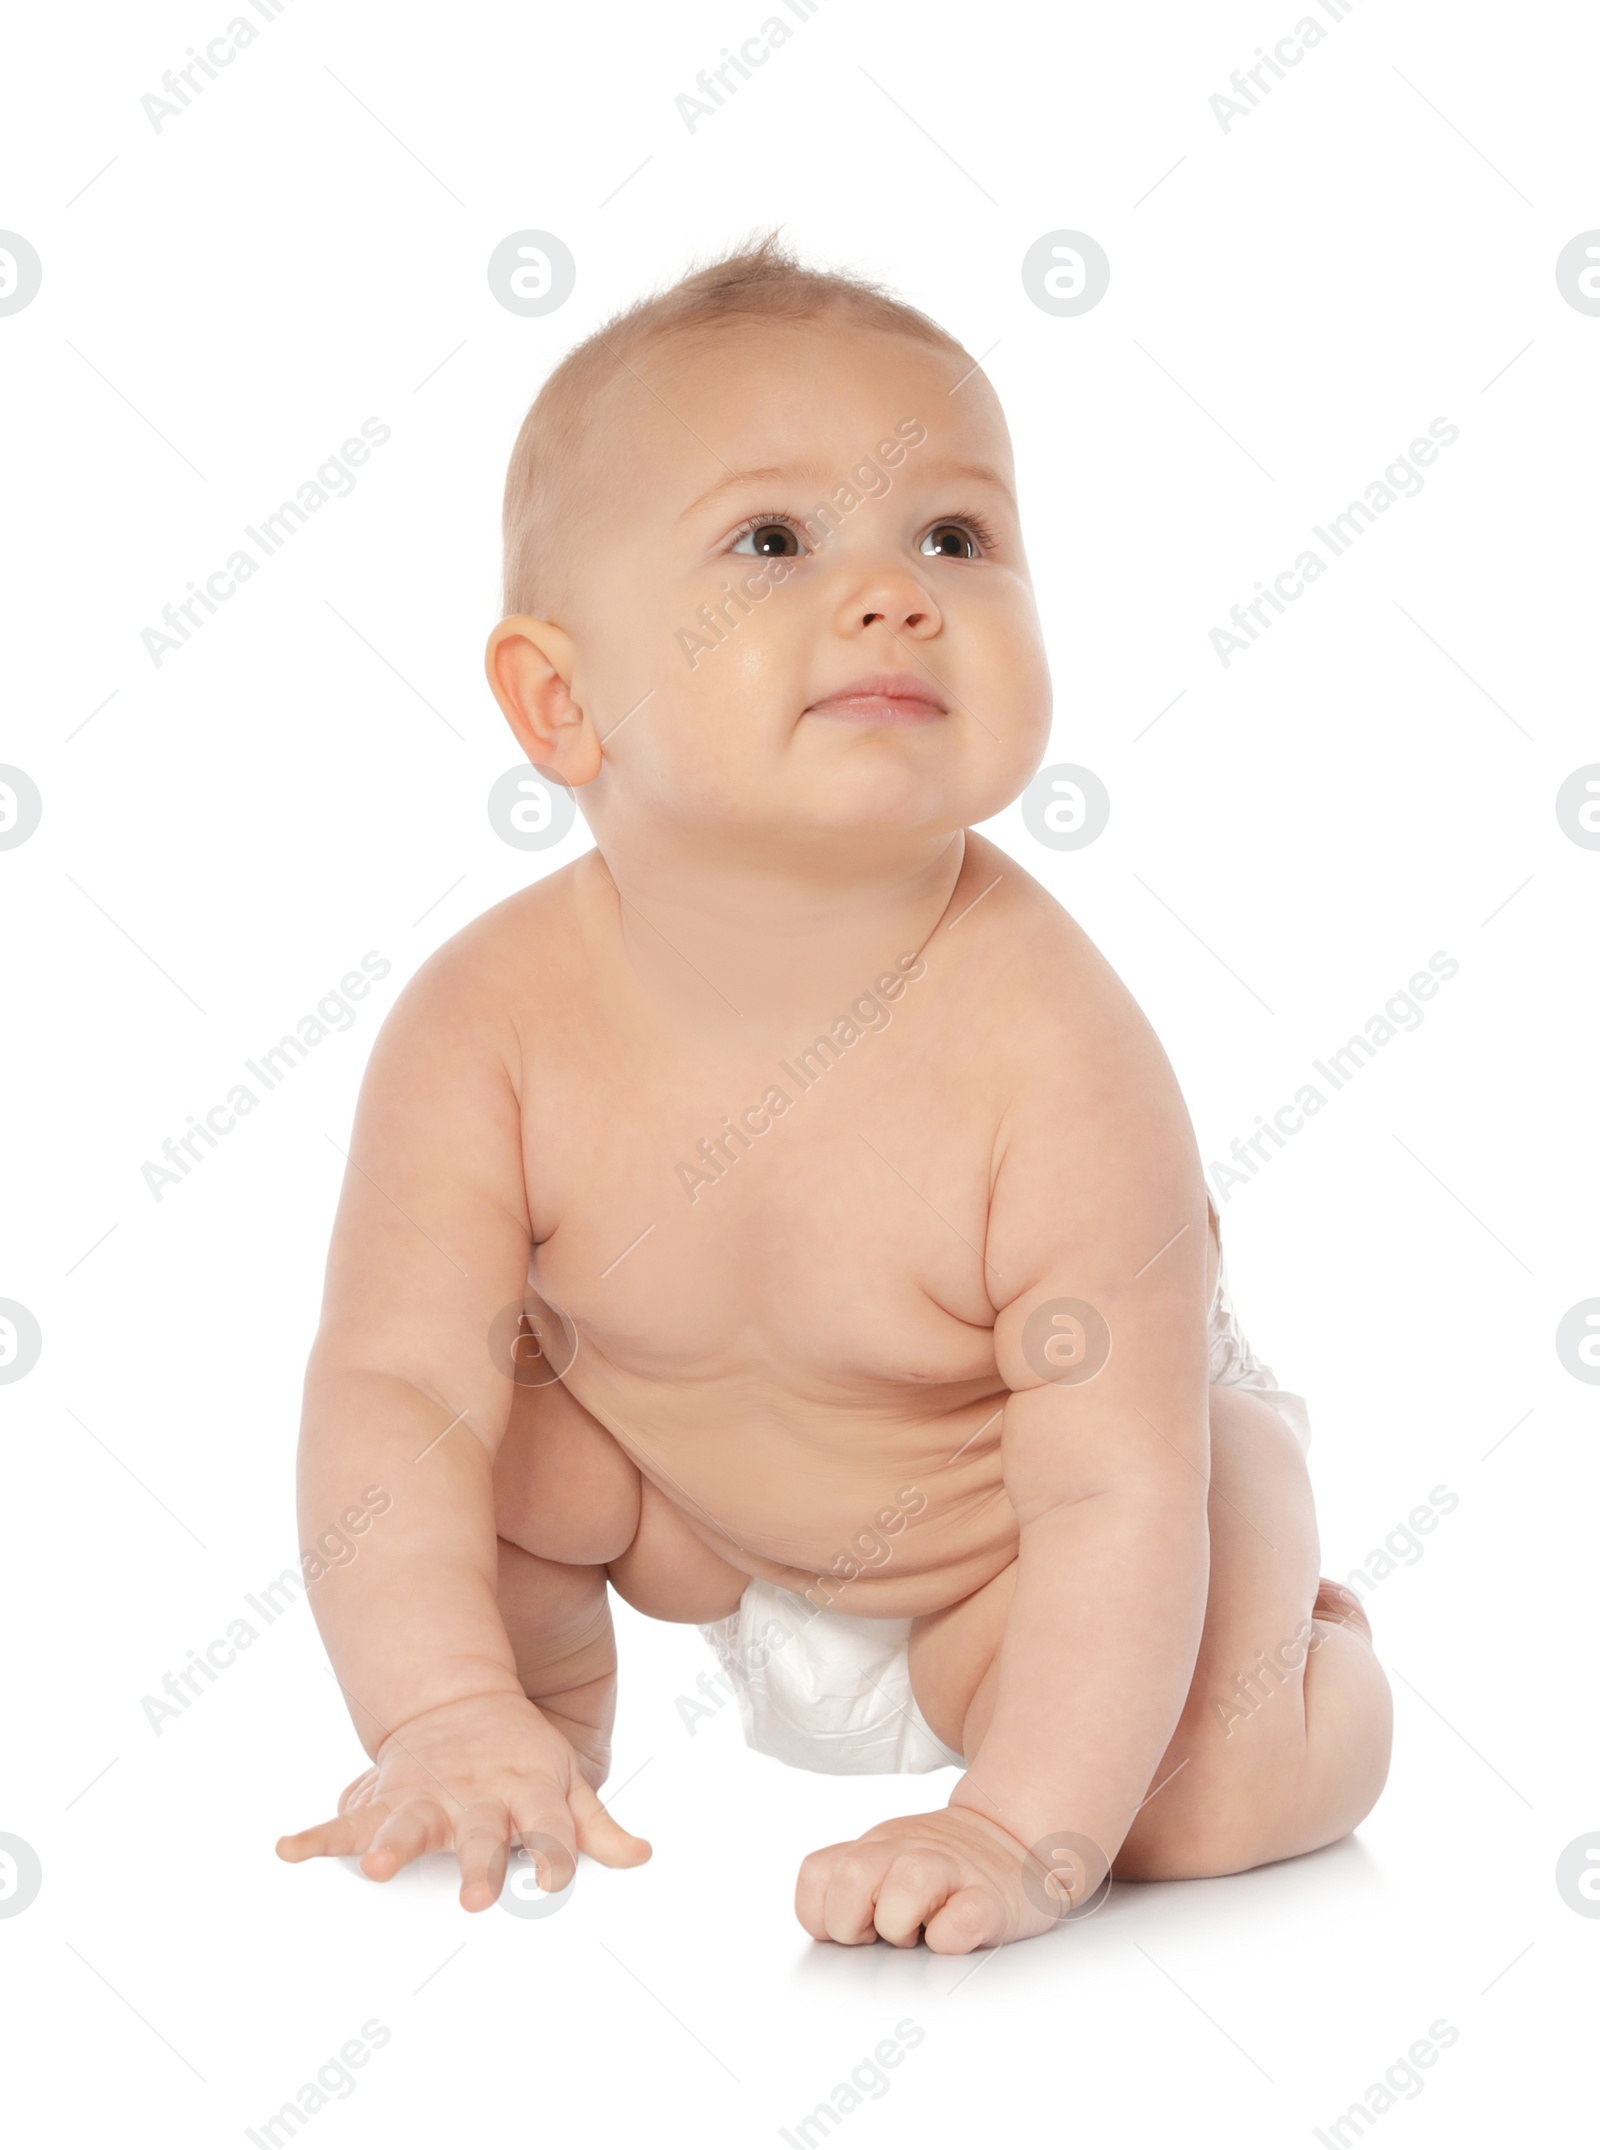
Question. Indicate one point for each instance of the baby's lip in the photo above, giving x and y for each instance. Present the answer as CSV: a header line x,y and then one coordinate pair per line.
x,y
882,698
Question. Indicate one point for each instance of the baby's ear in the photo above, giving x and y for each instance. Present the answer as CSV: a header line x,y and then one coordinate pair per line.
x,y
529,664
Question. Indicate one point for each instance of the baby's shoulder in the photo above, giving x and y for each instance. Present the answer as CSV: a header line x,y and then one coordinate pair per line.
x,y
1059,1026
520,956
1027,949
1081,1077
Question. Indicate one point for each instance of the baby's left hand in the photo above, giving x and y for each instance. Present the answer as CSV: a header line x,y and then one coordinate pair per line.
x,y
954,1873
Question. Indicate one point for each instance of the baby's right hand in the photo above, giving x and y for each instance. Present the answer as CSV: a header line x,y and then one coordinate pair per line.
x,y
468,1776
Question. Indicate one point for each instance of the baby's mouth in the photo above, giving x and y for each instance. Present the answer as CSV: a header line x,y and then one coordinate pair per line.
x,y
881,698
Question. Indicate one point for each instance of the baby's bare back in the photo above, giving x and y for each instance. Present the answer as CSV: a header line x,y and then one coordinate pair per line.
x,y
767,1235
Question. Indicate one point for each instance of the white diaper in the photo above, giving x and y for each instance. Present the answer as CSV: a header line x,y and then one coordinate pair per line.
x,y
831,1691
1235,1365
823,1690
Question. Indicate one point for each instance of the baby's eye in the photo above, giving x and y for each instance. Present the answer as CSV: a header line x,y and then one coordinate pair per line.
x,y
769,539
951,541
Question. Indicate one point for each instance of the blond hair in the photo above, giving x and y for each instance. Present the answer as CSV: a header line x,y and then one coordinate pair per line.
x,y
760,281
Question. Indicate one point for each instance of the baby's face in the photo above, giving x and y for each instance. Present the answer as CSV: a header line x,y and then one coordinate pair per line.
x,y
804,546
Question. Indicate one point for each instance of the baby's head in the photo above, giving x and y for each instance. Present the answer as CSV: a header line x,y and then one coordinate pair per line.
x,y
764,579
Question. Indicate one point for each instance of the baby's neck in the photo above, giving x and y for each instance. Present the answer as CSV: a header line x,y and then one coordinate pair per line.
x,y
744,937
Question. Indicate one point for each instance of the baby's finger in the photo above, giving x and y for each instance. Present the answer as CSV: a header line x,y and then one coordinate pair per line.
x,y
548,1837
811,1889
914,1888
482,1836
421,1825
974,1917
852,1889
337,1839
599,1833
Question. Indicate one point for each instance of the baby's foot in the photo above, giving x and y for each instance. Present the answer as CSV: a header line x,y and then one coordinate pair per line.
x,y
1342,1608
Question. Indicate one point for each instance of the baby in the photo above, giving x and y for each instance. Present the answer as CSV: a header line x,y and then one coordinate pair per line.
x,y
784,1216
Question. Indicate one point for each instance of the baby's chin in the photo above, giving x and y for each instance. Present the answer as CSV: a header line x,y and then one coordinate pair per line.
x,y
889,796
860,814
875,793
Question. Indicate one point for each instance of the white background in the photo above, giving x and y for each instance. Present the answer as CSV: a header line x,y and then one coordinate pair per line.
x,y
224,836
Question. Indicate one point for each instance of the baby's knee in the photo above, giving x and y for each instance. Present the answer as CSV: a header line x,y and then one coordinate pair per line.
x,y
1205,1831
668,1570
563,1489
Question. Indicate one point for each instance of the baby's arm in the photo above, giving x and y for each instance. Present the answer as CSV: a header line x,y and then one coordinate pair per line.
x,y
430,1245
1097,1217
1108,1474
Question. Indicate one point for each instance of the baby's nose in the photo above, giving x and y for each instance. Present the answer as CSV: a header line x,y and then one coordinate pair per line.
x,y
896,600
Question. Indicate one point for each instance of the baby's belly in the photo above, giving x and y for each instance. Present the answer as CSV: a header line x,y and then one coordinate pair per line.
x,y
805,1376
893,1509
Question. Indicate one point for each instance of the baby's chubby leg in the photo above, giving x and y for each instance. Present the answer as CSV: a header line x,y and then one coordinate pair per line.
x,y
1283,1744
1284,1740
566,1501
573,1513
558,1621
